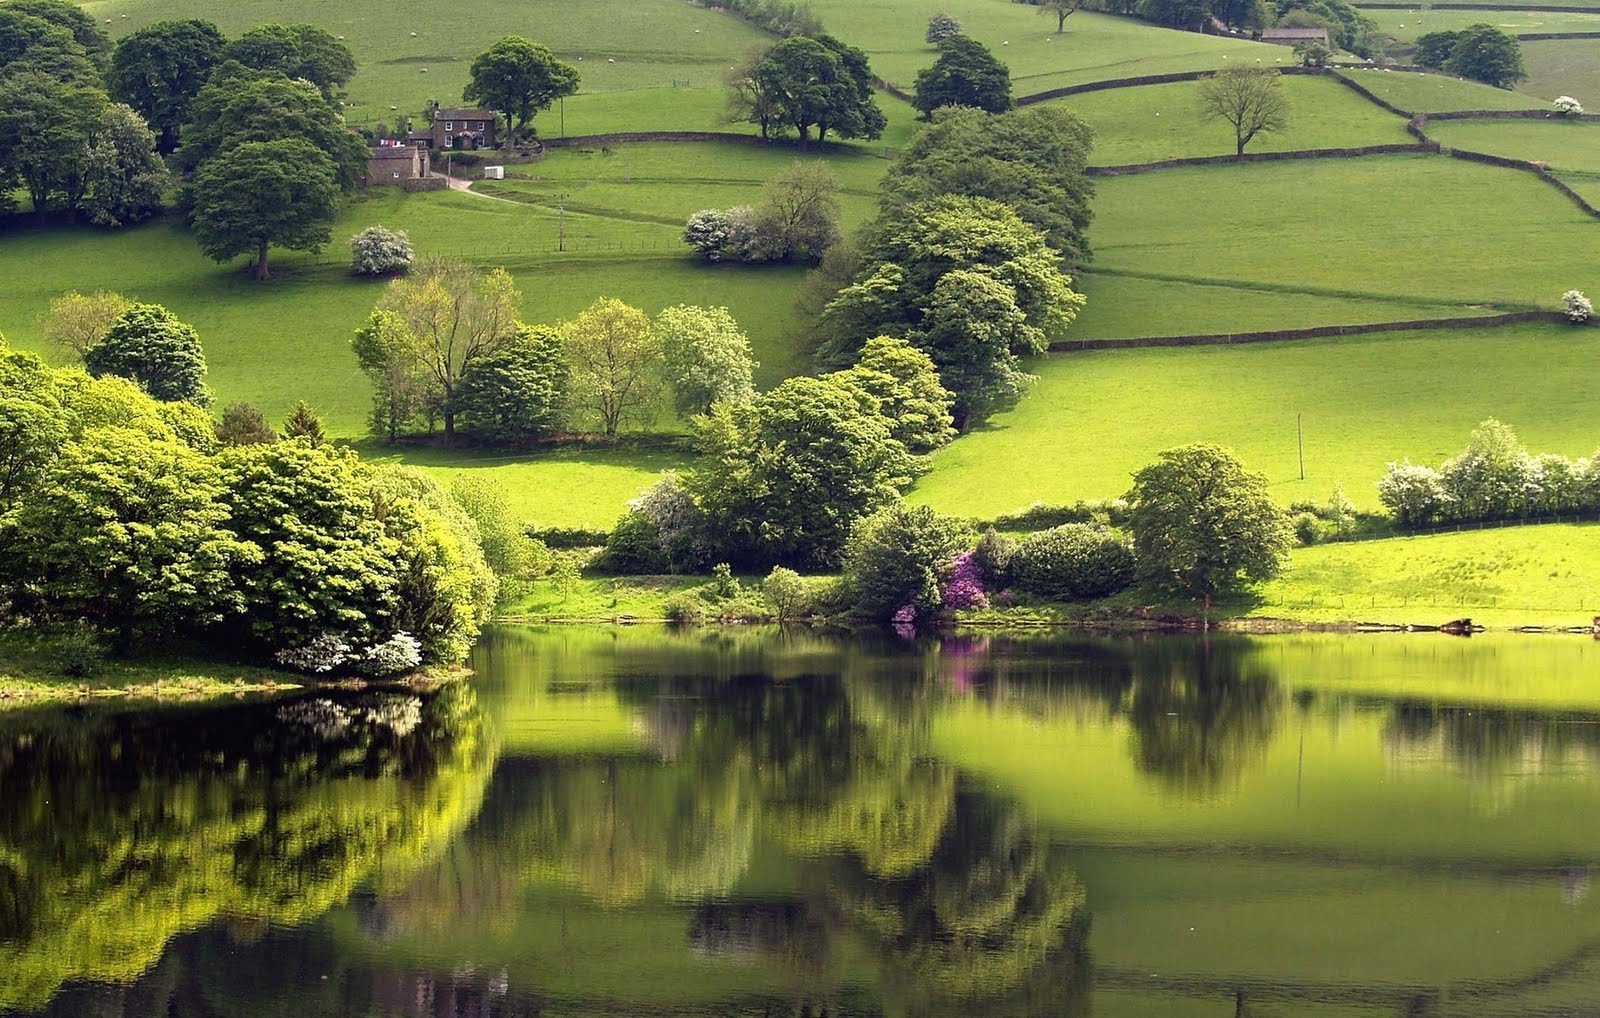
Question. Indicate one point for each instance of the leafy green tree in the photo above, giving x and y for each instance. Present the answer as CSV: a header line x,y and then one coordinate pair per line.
x,y
507,548
749,99
124,178
1203,524
262,193
85,31
149,345
784,477
159,69
1250,99
29,43
896,556
820,83
615,357
75,321
442,317
391,358
941,26
244,424
520,78
128,532
1484,53
1032,160
327,565
966,74
45,127
1190,14
968,282
303,423
298,51
1062,9
517,392
906,385
240,106
706,357
33,425
1434,49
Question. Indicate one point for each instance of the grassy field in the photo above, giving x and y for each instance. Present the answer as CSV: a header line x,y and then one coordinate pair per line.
x,y
1565,145
1406,227
655,62
1152,122
1405,26
1438,93
1506,576
1094,47
1563,67
1365,401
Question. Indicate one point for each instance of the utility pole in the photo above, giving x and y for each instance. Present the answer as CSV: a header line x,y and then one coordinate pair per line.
x,y
563,116
561,222
1300,433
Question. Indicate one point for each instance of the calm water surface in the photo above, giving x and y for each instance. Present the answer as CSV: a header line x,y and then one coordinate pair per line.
x,y
628,821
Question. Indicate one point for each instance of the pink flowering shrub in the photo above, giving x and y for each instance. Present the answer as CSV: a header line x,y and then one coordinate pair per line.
x,y
906,616
965,586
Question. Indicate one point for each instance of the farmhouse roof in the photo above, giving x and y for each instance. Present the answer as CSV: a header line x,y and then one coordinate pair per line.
x,y
1294,34
462,113
391,152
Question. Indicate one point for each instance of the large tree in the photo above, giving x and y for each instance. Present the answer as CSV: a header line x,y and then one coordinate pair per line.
x,y
240,106
968,282
1485,53
299,51
1032,160
444,316
32,43
124,179
1203,524
966,74
784,477
616,363
706,357
402,386
518,392
750,100
149,345
158,70
75,321
1249,98
820,83
263,193
519,77
906,385
45,128
85,31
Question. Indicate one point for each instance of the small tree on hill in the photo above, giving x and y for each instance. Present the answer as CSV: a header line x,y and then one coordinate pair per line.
x,y
1250,99
519,77
264,193
941,27
966,74
244,424
1484,53
150,346
1434,49
706,357
616,362
377,251
515,393
303,422
76,322
1062,9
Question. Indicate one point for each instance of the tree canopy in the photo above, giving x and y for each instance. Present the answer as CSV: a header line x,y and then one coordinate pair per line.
x,y
240,106
149,345
520,78
298,52
158,70
819,82
1250,99
966,74
262,193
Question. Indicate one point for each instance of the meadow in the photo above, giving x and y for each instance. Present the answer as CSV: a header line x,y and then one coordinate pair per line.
x,y
1152,122
1364,401
1405,26
1416,92
1564,145
1563,67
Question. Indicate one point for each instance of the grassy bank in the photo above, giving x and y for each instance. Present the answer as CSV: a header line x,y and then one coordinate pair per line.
x,y
34,670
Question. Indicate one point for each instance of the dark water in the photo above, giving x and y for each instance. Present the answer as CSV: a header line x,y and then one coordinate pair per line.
x,y
759,823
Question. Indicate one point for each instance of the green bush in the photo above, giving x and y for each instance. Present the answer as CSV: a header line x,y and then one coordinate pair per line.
x,y
894,558
1073,561
994,556
633,547
1308,528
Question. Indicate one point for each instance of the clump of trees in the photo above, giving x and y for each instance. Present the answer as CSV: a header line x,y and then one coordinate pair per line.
x,y
1494,478
119,513
1249,98
1481,52
63,139
966,74
806,82
783,18
796,221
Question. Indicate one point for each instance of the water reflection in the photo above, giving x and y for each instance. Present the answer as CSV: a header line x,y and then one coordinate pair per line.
x,y
748,822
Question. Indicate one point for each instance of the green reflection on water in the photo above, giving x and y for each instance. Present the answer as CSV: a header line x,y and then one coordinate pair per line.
x,y
756,821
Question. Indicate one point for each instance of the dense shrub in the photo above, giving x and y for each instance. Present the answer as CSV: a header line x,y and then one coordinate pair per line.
x,y
1073,561
1042,515
1578,307
1567,106
894,558
1413,494
941,27
634,546
150,346
244,424
994,555
782,18
377,251
791,595
708,232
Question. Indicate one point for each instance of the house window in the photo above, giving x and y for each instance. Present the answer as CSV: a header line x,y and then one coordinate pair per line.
x,y
397,174
449,125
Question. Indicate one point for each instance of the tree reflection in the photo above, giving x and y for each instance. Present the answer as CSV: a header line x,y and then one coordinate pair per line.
x,y
119,831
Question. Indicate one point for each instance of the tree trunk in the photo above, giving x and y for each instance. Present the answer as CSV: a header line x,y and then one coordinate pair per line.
x,y
1239,151
805,129
449,427
1061,21
261,261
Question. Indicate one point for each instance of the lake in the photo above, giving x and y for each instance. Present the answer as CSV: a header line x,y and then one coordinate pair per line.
x,y
741,821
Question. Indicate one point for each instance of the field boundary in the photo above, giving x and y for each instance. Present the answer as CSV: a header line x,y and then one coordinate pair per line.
x,y
1398,148
1135,82
1418,126
1314,332
1551,8
1511,115
619,137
